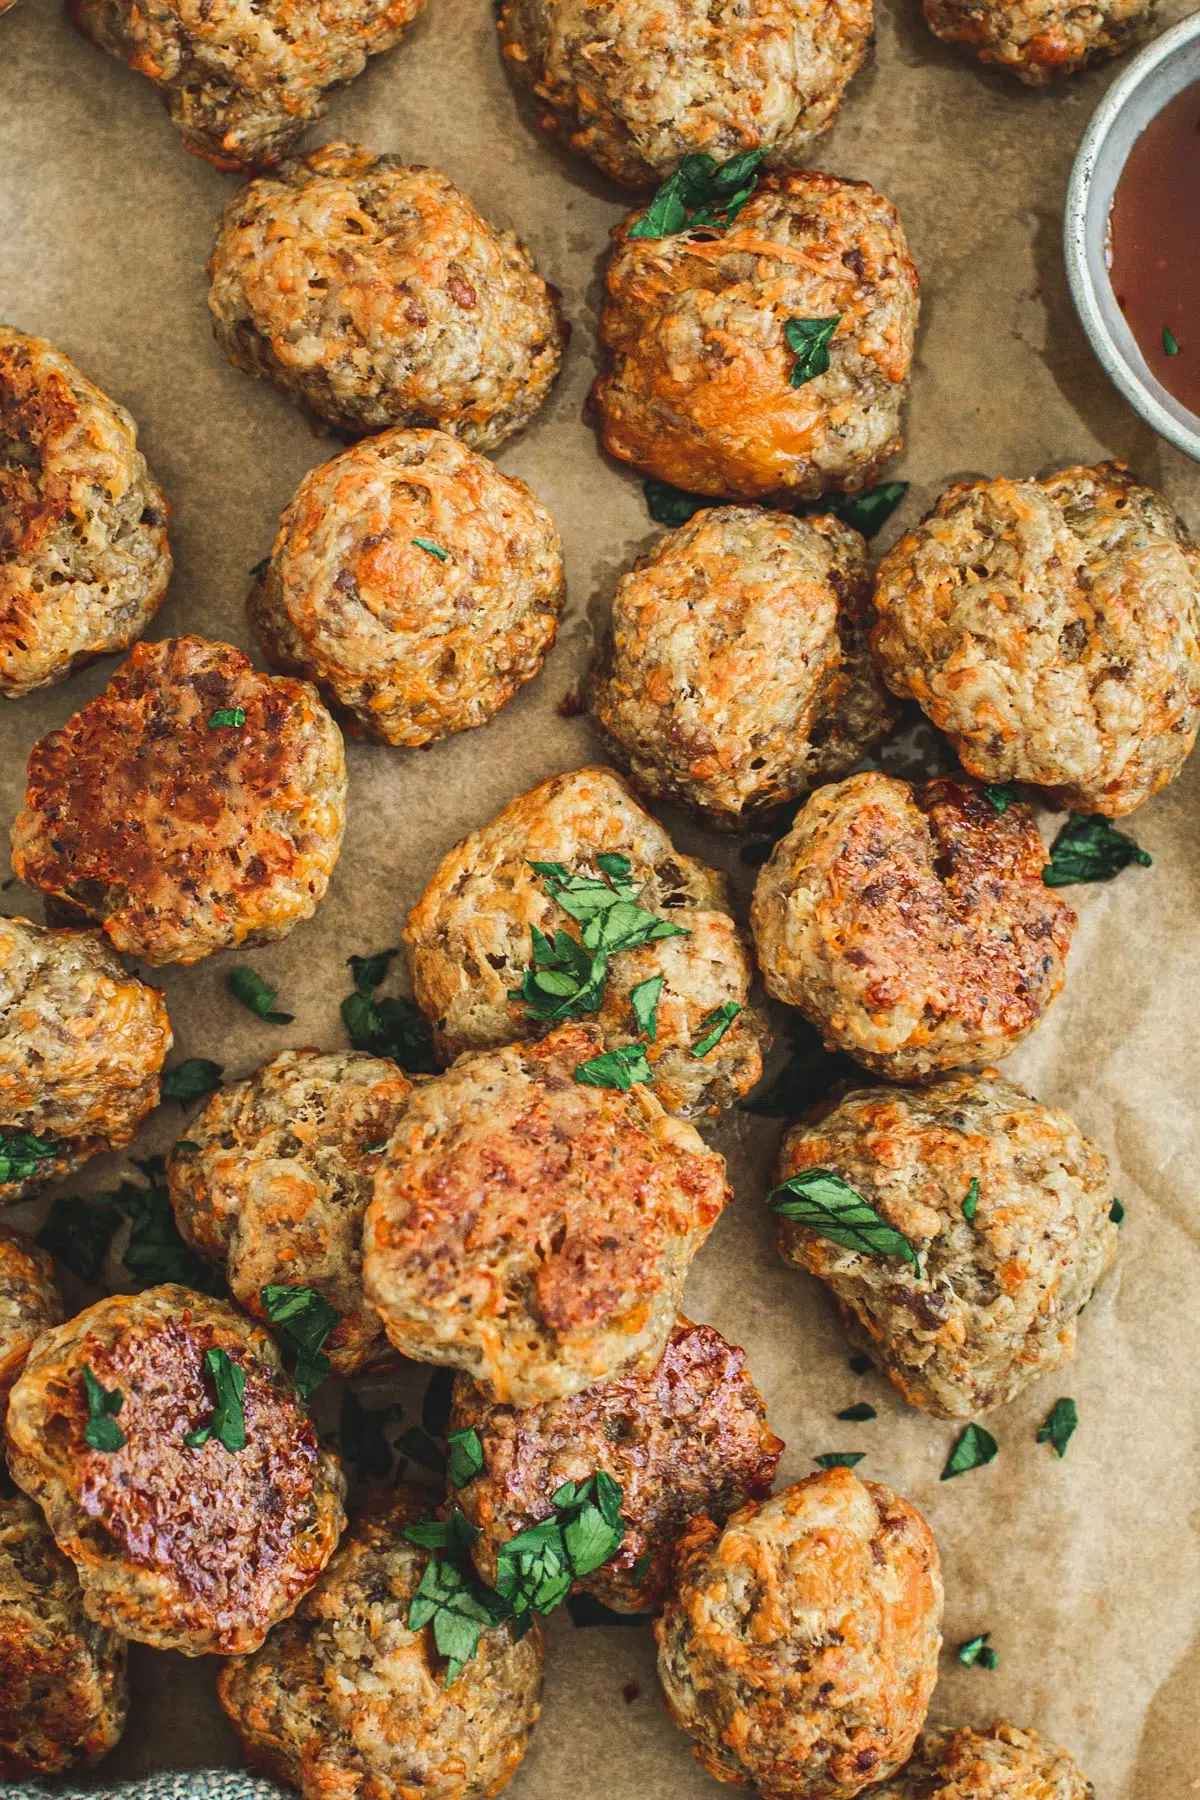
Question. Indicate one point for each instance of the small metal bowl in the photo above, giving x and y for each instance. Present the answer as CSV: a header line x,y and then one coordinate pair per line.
x,y
1162,70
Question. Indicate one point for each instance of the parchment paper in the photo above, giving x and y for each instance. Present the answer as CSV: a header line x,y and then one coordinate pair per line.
x,y
1086,1571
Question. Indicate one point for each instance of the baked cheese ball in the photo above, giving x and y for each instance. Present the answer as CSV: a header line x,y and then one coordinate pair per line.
x,y
30,1303
244,79
736,674
699,390
911,925
1052,630
197,1547
375,295
84,561
800,1648
533,1230
274,1177
414,583
193,806
344,1699
994,1304
993,1762
1040,41
638,88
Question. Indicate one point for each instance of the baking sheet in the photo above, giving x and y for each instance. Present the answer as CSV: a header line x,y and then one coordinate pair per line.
x,y
1085,1571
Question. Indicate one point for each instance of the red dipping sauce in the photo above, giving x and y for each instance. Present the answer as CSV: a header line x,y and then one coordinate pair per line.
x,y
1154,245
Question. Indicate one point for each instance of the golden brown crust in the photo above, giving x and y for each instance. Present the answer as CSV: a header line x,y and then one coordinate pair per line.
x,y
1040,41
29,1304
993,1762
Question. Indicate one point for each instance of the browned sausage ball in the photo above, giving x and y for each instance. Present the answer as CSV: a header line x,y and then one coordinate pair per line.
x,y
274,1177
470,946
414,583
1040,40
29,1304
1052,630
82,1045
376,295
84,562
688,1436
911,925
993,1762
994,1303
184,1547
736,673
699,388
532,1229
192,806
242,80
639,87
800,1649
63,1696
344,1700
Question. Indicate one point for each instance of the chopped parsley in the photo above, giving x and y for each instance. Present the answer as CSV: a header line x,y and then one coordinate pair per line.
x,y
806,1077
458,1607
839,1459
155,1252
464,1456
22,1154
861,1365
1000,795
231,717
825,1204
702,194
192,1079
971,1201
1169,341
387,1026
867,512
1091,849
644,1001
303,1319
1116,1212
978,1653
363,1439
673,506
431,549
102,1431
78,1233
857,1414
1058,1427
257,995
973,1448
228,1421
810,339
713,1028
619,1068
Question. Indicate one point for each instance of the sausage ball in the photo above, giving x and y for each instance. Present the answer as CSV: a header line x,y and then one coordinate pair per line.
x,y
1052,630
532,1229
376,295
699,387
1040,40
800,1648
84,562
911,925
470,944
414,583
736,673
30,1303
688,1436
82,1045
994,1303
192,806
274,1177
344,1699
639,88
197,1546
63,1696
243,80
993,1762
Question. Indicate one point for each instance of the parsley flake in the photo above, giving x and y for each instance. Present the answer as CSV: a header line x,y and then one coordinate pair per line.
x,y
228,1421
102,1431
977,1652
828,1206
1091,849
568,975
464,1456
861,1365
866,513
78,1233
644,1001
857,1414
1058,1427
458,1608
810,339
1169,341
155,1252
535,1569
192,1079
1000,795
1116,1212
713,1028
700,195
839,1459
619,1068
257,995
673,506
22,1154
230,717
389,1026
431,549
304,1319
971,1200
973,1449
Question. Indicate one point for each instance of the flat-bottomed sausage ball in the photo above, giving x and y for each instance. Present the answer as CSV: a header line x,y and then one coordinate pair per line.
x,y
84,562
30,1303
414,583
994,1762
1040,40
376,295
700,390
688,1436
202,1546
470,948
1052,630
192,806
82,1045
274,1177
638,88
736,673
911,925
63,1696
242,80
344,1699
532,1229
800,1648
994,1304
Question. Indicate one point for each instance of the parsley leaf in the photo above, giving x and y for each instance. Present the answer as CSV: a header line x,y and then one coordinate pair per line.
x,y
1091,849
971,1201
829,1206
1170,343
858,1413
362,1436
228,1421
78,1233
232,717
458,1607
701,194
1116,1212
619,1068
535,1569
455,1534
806,1077
839,1459
390,1027
102,1431
867,512
304,1319
192,1079
155,1252
22,1153
464,1456
644,1001
1000,795
431,549
810,339
369,971
974,1448
248,986
567,976
673,506
977,1651
713,1028
1058,1427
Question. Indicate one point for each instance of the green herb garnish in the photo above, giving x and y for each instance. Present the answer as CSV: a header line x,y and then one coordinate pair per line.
x,y
701,194
619,1068
1169,341
78,1233
232,717
228,1421
861,1365
1116,1212
978,1652
155,1252
810,339
192,1079
971,1201
535,1569
867,512
1091,849
1000,795
303,1319
432,549
713,1028
673,506
644,1001
458,1607
1058,1427
973,1449
568,975
257,995
22,1154
464,1456
825,1204
102,1431
389,1026
839,1459
857,1414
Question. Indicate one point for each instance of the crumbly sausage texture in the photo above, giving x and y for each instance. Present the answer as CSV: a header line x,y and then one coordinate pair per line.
x,y
736,673
993,1762
180,836
84,562
800,1649
1052,630
30,1303
82,1045
1040,40
414,583
689,1436
698,389
469,945
274,1177
376,295
242,80
344,1699
911,925
995,1303
533,1230
63,1697
638,88
192,1549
